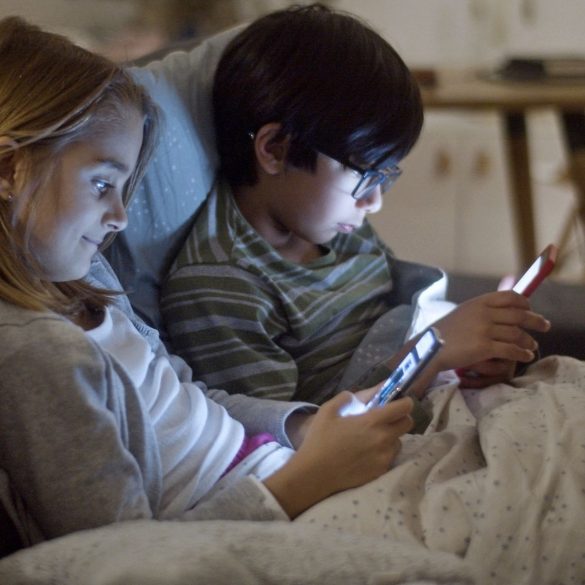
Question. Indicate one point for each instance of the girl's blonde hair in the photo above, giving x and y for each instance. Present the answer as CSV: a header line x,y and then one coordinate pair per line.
x,y
53,93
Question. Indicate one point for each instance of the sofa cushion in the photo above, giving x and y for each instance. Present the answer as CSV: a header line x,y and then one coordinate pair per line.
x,y
179,176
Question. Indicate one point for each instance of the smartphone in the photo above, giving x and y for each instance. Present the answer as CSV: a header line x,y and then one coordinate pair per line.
x,y
408,369
402,377
537,272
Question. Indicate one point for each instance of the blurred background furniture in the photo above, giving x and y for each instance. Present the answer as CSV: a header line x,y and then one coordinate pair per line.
x,y
452,206
513,100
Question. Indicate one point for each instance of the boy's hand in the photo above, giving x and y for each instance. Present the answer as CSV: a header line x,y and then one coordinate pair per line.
x,y
489,326
486,373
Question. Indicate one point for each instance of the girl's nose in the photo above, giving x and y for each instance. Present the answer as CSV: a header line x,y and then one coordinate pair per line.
x,y
117,218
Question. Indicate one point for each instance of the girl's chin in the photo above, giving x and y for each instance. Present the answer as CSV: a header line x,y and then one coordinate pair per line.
x,y
72,273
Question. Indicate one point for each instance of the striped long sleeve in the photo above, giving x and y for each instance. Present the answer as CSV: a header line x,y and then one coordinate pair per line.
x,y
251,322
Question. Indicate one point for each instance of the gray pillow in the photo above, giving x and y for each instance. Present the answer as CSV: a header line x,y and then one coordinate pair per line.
x,y
178,178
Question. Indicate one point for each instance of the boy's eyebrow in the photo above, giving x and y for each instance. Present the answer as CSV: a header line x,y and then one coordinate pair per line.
x,y
110,162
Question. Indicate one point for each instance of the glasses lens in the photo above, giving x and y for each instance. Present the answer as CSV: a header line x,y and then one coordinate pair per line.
x,y
367,184
371,179
391,175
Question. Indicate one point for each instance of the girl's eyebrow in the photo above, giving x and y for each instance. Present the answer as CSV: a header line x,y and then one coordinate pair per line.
x,y
113,163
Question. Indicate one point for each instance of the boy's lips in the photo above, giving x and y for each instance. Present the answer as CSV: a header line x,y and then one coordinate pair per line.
x,y
346,228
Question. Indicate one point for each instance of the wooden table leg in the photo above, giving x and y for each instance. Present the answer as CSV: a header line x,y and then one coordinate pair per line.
x,y
521,186
574,132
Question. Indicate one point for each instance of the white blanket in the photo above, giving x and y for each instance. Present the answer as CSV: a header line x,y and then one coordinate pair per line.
x,y
226,553
492,493
498,479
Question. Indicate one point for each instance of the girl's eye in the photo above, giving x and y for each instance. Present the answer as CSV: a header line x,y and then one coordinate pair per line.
x,y
102,187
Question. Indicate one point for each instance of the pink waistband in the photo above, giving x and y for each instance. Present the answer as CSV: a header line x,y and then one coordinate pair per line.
x,y
249,444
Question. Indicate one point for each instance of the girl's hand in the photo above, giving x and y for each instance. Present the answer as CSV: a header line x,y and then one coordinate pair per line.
x,y
339,453
298,423
489,326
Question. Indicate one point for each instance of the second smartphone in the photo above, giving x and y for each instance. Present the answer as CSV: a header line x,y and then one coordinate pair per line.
x,y
402,376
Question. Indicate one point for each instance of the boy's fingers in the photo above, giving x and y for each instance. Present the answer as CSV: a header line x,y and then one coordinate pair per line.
x,y
514,335
511,351
506,298
537,322
520,318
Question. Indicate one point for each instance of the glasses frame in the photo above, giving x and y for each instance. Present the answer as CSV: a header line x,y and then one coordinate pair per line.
x,y
384,177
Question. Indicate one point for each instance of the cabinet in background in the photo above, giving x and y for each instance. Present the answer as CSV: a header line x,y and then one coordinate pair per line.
x,y
451,207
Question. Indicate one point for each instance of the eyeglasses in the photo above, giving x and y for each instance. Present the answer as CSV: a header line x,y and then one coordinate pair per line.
x,y
372,177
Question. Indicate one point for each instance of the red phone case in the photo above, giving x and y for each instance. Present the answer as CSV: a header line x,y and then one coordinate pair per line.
x,y
542,267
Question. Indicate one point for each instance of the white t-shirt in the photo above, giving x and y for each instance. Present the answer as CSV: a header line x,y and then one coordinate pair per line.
x,y
197,437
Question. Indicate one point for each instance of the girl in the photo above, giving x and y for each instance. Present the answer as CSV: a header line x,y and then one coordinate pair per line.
x,y
98,424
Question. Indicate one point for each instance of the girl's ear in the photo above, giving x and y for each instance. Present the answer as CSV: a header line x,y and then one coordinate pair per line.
x,y
7,169
6,181
271,150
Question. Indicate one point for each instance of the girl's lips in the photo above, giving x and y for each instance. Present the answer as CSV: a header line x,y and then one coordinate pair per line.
x,y
345,228
94,242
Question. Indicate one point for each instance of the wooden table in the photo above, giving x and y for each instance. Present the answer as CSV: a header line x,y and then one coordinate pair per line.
x,y
465,90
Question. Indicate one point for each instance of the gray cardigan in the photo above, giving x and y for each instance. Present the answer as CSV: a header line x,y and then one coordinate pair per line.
x,y
77,448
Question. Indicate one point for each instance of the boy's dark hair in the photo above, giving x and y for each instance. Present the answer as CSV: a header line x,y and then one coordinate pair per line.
x,y
333,84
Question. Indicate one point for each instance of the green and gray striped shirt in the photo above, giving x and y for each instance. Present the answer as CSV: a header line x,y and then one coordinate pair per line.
x,y
249,321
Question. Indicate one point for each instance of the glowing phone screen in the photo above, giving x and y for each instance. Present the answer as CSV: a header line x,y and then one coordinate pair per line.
x,y
404,374
528,276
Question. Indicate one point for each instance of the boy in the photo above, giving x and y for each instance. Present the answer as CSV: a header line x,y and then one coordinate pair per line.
x,y
282,278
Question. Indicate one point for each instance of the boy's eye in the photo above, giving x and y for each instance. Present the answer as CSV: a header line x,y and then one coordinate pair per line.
x,y
353,171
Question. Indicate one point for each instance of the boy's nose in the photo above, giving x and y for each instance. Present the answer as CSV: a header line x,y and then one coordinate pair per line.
x,y
372,202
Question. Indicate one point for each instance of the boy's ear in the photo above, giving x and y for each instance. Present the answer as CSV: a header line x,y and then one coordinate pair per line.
x,y
271,150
